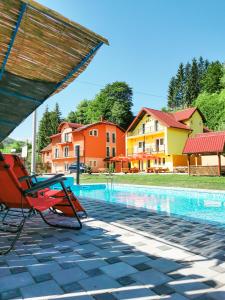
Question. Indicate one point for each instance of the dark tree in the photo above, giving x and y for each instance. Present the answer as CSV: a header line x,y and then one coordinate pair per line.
x,y
172,93
211,82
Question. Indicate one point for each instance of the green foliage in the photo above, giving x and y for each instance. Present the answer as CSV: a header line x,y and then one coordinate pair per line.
x,y
185,87
211,82
55,119
81,113
112,103
48,126
213,108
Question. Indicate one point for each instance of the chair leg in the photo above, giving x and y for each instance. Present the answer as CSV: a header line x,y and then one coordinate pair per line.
x,y
73,209
13,228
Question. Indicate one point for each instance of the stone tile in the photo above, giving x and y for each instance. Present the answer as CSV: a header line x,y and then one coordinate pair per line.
x,y
69,275
42,277
151,277
190,287
94,272
118,270
17,270
98,283
125,280
164,265
88,264
134,259
12,294
113,260
12,282
104,296
163,289
71,287
42,289
142,267
39,269
4,271
134,292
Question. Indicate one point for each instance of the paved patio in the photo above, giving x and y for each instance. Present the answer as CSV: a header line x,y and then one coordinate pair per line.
x,y
121,253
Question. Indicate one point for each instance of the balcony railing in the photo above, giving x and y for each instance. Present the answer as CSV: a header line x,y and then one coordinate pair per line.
x,y
145,132
148,150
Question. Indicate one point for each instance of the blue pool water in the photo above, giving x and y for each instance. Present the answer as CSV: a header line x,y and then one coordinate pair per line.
x,y
205,207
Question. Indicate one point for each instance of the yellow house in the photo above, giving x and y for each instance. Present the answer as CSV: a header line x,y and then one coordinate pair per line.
x,y
156,139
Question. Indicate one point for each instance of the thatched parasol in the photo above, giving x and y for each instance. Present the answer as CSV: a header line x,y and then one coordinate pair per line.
x,y
41,52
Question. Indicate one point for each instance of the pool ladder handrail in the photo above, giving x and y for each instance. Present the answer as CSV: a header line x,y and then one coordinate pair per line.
x,y
109,179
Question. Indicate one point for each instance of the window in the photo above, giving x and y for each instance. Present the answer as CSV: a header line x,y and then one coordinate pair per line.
x,y
159,160
143,128
56,152
66,167
161,142
93,132
93,163
156,125
163,161
107,152
113,151
66,151
107,137
155,162
113,137
141,145
66,137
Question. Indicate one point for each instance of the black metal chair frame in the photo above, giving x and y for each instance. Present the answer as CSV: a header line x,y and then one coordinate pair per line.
x,y
25,214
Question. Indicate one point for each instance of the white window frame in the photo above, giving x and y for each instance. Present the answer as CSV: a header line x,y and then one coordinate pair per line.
x,y
107,152
107,137
114,140
56,153
113,154
93,132
64,151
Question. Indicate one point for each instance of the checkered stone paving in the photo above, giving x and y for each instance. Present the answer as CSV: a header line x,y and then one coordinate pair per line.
x,y
121,253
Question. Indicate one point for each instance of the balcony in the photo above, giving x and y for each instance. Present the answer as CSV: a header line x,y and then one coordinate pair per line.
x,y
71,156
155,149
146,132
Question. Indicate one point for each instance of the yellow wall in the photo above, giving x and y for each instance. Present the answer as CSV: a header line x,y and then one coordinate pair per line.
x,y
176,139
195,123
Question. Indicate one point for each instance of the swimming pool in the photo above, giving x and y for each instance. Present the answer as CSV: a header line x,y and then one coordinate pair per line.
x,y
207,207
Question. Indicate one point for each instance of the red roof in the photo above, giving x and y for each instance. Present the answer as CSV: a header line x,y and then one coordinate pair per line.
x,y
167,119
184,114
83,127
71,125
47,148
206,143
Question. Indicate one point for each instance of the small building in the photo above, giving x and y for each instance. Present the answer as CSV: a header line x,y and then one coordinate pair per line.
x,y
98,143
156,139
210,147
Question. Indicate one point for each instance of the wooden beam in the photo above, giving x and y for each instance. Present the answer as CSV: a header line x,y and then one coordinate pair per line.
x,y
219,164
188,163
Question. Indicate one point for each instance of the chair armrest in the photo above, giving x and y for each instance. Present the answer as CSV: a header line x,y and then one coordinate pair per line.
x,y
44,184
28,177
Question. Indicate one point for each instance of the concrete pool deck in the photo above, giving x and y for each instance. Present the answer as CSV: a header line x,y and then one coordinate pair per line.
x,y
121,253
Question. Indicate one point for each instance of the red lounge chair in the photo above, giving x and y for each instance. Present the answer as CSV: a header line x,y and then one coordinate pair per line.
x,y
28,181
19,203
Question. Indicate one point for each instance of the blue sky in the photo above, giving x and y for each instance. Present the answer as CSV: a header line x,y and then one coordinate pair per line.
x,y
148,39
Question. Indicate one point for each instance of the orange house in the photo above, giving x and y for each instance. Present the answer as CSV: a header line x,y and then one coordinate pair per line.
x,y
98,143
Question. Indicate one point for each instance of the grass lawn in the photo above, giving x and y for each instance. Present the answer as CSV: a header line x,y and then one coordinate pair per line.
x,y
206,182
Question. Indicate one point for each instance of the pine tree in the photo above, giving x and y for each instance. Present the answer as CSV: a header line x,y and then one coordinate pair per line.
x,y
44,131
55,119
187,75
180,85
172,93
194,88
